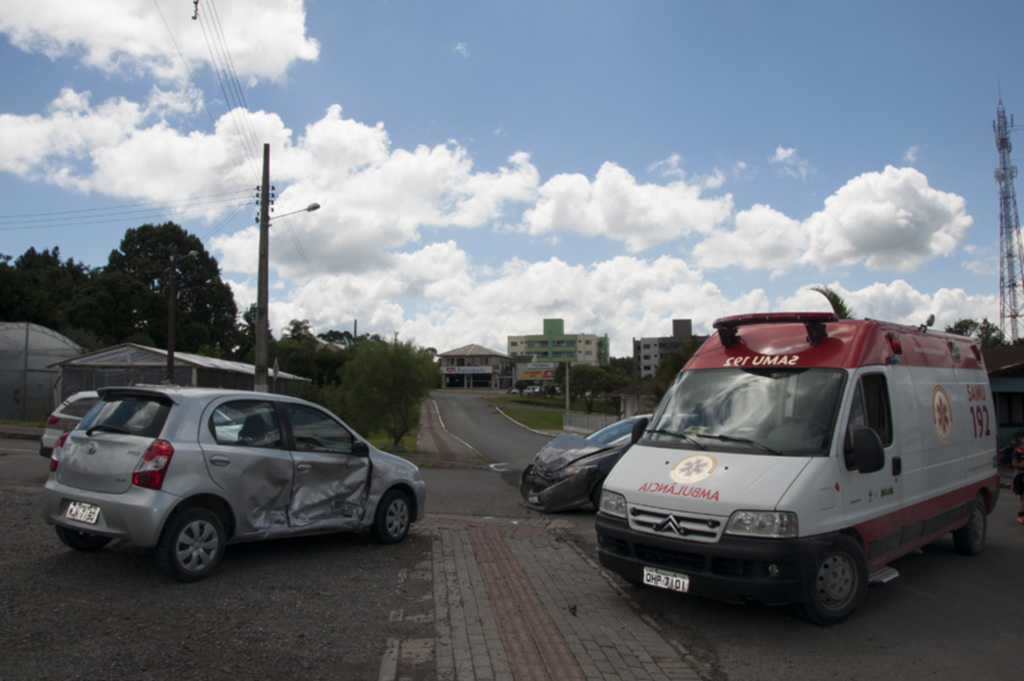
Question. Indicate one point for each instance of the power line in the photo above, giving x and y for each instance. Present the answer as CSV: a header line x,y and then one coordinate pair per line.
x,y
86,216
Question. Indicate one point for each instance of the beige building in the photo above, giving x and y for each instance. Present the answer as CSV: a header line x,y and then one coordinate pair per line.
x,y
474,366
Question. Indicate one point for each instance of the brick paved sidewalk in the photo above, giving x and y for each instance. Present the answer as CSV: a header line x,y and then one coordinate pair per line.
x,y
514,601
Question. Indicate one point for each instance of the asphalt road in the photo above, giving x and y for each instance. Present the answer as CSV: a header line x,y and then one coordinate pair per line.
x,y
947,616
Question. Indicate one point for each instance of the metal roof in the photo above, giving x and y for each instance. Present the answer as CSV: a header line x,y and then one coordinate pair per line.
x,y
473,350
130,354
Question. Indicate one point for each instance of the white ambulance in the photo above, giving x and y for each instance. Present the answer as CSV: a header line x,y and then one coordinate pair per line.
x,y
797,454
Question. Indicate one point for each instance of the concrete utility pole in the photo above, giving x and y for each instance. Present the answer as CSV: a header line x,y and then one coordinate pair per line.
x,y
262,321
262,325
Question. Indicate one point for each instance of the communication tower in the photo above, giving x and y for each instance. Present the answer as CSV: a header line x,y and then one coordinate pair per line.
x,y
1011,262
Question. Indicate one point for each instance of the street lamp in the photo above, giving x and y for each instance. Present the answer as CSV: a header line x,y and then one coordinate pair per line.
x,y
262,324
172,303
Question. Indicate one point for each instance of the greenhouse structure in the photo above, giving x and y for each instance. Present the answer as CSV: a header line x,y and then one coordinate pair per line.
x,y
28,379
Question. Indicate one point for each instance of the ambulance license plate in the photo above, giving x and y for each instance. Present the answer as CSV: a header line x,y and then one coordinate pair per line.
x,y
663,579
84,513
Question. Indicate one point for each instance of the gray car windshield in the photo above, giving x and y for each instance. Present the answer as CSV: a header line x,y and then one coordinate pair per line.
x,y
774,412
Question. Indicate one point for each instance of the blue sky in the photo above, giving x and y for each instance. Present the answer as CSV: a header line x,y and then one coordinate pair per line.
x,y
485,165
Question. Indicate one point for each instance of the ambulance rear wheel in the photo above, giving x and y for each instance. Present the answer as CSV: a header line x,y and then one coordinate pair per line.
x,y
840,583
970,539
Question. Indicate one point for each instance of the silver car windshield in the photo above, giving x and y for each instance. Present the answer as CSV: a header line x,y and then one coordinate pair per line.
x,y
766,411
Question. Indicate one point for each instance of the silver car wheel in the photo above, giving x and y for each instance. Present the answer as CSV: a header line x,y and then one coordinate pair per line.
x,y
393,517
196,546
192,544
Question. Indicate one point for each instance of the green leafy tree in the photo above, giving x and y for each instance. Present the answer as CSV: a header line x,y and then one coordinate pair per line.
x,y
337,337
520,386
245,335
117,308
205,305
988,334
586,382
39,286
964,327
384,384
836,301
669,367
300,332
621,365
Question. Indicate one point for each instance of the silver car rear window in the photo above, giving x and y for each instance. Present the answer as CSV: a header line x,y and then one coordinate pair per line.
x,y
142,415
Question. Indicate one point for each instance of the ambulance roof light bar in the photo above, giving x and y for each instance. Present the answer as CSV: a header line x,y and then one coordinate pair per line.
x,y
728,327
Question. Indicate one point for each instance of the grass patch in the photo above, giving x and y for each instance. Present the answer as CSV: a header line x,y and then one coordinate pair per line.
x,y
382,440
538,419
31,424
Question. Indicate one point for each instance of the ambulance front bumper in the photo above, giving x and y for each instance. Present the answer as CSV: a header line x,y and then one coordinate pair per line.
x,y
772,571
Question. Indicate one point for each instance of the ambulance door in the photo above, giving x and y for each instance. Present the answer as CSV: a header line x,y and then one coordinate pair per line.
x,y
872,499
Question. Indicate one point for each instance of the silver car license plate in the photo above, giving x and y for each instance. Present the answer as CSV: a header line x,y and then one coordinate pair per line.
x,y
82,512
663,579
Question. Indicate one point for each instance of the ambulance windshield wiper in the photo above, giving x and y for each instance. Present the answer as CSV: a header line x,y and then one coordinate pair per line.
x,y
744,440
684,436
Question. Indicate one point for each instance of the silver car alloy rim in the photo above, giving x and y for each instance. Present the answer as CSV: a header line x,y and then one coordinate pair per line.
x,y
196,546
397,517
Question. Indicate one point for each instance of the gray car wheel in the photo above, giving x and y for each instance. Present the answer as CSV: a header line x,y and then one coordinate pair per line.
x,y
191,545
393,517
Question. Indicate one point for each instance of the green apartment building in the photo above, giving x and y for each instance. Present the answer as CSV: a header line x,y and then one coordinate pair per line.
x,y
555,345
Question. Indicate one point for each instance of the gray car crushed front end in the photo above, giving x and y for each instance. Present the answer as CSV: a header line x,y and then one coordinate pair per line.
x,y
567,474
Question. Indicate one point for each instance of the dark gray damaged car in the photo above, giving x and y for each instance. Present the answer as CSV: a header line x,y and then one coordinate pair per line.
x,y
568,472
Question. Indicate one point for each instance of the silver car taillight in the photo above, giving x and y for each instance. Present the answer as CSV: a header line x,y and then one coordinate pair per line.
x,y
55,452
153,467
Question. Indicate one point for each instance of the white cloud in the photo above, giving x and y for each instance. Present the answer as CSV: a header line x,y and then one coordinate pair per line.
x,y
789,163
888,220
763,239
135,36
911,155
461,49
615,206
899,302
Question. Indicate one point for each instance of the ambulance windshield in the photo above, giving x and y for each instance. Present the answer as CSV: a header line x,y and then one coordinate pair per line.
x,y
770,411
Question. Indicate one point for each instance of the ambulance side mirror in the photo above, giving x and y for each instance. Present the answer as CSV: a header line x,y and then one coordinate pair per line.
x,y
638,431
867,454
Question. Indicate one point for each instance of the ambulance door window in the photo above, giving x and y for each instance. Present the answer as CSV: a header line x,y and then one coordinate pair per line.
x,y
876,406
870,408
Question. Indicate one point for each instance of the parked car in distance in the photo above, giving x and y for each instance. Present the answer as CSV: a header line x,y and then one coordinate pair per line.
x,y
188,471
568,472
65,417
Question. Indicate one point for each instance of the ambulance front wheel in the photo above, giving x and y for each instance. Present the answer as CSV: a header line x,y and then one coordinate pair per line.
x,y
840,583
970,539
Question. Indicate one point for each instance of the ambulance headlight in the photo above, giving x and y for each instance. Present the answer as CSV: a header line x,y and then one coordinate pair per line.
x,y
774,524
613,503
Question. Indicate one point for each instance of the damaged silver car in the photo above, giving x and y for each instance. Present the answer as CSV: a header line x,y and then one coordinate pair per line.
x,y
568,473
189,470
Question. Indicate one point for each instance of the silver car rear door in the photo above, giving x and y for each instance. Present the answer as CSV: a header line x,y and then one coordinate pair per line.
x,y
246,457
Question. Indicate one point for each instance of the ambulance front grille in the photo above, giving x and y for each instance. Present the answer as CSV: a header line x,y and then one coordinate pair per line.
x,y
691,526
